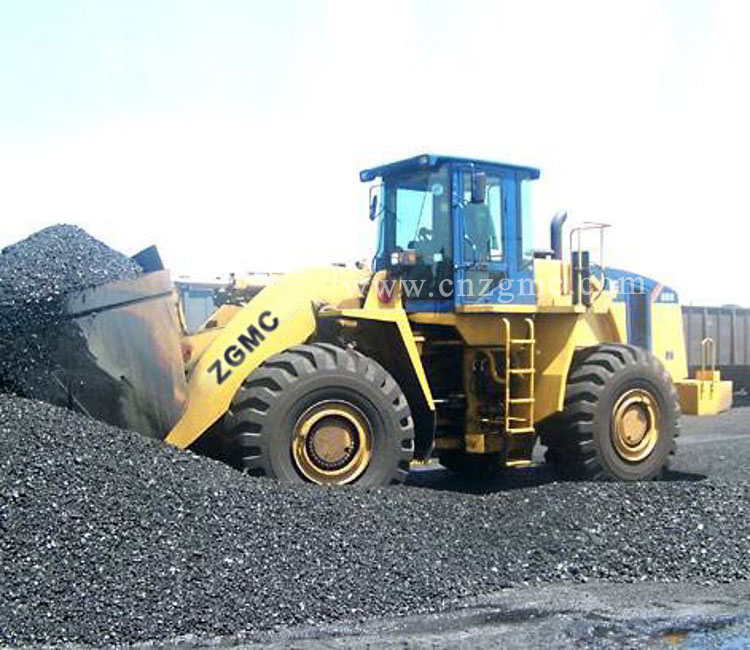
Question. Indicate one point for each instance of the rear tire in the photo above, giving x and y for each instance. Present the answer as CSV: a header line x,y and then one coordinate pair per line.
x,y
322,414
620,420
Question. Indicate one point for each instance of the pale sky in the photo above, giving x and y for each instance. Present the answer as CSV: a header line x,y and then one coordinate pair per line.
x,y
231,134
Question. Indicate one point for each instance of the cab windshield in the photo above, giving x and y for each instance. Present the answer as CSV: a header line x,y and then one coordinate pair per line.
x,y
416,215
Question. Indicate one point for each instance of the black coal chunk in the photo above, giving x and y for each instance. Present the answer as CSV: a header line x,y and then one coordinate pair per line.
x,y
109,537
36,276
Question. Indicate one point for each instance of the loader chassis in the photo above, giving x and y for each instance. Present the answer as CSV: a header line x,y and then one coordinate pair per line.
x,y
342,375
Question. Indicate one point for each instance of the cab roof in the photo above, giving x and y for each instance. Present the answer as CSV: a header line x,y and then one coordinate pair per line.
x,y
431,160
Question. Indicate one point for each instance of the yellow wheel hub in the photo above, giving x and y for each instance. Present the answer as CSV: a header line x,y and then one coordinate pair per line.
x,y
332,443
636,419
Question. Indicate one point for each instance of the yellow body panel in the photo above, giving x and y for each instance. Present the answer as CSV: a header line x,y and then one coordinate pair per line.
x,y
398,317
560,330
280,316
558,337
667,338
552,278
618,313
519,309
699,397
390,312
708,375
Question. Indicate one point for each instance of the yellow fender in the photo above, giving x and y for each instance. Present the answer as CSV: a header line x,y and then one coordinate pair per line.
x,y
280,316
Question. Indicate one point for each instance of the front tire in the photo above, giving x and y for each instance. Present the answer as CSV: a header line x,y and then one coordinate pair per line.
x,y
620,420
320,414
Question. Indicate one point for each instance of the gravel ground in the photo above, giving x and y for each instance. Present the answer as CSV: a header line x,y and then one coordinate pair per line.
x,y
36,275
716,448
107,536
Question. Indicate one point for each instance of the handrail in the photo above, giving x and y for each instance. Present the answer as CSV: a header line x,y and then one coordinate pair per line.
x,y
706,344
590,225
506,322
532,364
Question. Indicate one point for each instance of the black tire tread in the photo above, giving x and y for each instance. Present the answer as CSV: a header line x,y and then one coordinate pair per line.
x,y
571,447
245,424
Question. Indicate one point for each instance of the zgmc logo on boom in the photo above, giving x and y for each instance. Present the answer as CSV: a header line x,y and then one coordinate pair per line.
x,y
236,353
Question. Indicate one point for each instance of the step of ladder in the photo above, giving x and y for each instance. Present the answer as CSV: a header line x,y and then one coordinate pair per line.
x,y
514,430
521,400
521,371
517,463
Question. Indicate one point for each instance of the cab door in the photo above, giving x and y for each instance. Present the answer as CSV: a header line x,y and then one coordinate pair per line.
x,y
491,267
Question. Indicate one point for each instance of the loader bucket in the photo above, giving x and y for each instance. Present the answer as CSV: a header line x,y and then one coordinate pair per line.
x,y
118,357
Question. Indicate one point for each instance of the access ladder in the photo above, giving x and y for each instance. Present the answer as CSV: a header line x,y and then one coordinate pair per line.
x,y
519,382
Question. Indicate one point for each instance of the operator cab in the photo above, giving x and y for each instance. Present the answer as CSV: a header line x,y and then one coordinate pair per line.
x,y
457,231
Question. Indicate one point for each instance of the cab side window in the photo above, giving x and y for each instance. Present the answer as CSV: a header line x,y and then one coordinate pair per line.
x,y
494,200
526,230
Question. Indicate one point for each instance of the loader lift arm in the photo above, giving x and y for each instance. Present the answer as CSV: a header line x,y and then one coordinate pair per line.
x,y
281,316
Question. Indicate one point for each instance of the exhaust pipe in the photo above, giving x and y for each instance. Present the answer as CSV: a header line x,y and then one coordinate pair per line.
x,y
555,233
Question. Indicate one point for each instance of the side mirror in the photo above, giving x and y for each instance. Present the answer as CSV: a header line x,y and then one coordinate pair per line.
x,y
374,201
478,187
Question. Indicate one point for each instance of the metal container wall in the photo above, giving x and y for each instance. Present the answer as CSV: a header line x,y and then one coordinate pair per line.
x,y
729,327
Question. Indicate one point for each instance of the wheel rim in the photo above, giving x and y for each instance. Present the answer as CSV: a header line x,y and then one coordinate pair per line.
x,y
636,420
332,443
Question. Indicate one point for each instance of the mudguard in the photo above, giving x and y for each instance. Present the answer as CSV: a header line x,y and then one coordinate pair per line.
x,y
280,316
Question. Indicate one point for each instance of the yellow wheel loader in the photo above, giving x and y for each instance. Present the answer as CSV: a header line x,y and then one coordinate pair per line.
x,y
462,342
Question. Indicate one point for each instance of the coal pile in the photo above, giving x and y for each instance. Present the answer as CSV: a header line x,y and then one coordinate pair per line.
x,y
36,276
109,537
